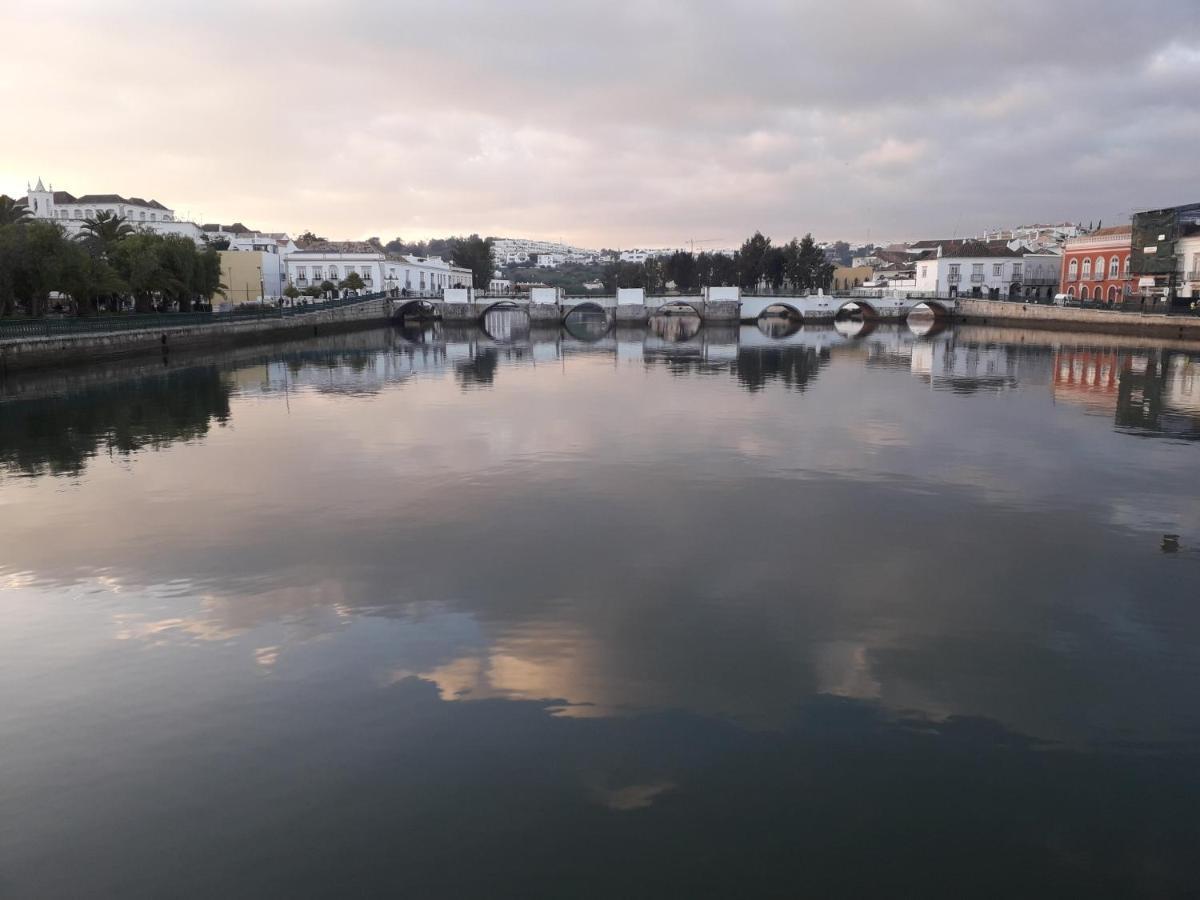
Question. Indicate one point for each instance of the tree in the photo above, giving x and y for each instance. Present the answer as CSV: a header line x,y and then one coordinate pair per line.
x,y
681,268
752,260
352,282
105,231
814,270
327,287
474,253
12,212
86,277
308,238
654,279
774,267
290,292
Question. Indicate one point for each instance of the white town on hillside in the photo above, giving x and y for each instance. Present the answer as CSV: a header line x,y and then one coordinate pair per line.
x,y
1027,262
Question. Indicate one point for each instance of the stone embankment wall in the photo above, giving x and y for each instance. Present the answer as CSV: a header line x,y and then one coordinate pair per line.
x,y
26,353
1060,318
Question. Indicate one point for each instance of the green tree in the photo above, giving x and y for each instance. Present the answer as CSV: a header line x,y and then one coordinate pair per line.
x,y
752,260
12,211
474,253
86,277
327,287
681,268
105,231
352,282
775,267
290,292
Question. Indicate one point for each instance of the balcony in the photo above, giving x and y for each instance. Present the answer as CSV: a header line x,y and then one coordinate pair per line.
x,y
1072,276
1099,276
1193,276
977,278
953,278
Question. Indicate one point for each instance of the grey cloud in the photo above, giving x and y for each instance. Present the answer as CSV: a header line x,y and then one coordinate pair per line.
x,y
624,123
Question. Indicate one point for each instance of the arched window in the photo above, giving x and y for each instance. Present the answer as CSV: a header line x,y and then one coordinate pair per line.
x,y
1087,268
333,273
1127,265
1114,267
1112,291
1071,292
1083,293
1073,270
1099,267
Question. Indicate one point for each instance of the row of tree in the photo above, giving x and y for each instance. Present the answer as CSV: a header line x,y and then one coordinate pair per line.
x,y
107,262
799,265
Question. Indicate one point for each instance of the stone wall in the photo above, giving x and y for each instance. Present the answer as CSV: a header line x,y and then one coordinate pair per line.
x,y
1065,318
80,348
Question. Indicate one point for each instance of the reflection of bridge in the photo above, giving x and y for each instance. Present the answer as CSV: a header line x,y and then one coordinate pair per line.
x,y
632,305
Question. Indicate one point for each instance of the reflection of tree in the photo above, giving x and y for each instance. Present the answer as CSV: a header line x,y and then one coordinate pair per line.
x,y
479,370
59,434
794,366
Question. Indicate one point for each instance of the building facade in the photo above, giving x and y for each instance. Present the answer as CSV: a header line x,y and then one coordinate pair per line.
x,y
71,212
408,275
1096,266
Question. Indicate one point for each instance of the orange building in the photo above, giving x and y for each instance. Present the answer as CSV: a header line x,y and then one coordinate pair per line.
x,y
1095,267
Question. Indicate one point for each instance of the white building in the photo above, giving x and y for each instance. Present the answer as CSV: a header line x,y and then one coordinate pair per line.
x,y
550,260
969,269
71,211
334,261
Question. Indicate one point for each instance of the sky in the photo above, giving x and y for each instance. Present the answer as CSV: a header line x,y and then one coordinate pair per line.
x,y
609,124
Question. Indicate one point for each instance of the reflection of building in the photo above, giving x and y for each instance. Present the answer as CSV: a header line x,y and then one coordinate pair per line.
x,y
1095,267
1089,378
964,367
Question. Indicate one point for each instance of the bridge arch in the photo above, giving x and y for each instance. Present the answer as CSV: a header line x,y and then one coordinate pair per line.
x,y
860,304
793,311
586,306
679,305
939,308
419,307
501,305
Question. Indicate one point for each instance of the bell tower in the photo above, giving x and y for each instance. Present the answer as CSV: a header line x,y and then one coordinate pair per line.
x,y
40,201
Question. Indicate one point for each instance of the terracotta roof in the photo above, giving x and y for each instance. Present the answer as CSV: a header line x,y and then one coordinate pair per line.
x,y
970,249
1113,229
110,198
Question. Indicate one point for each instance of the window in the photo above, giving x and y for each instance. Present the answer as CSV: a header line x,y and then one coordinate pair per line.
x,y
1087,268
1127,265
1083,293
333,273
1114,267
142,215
1073,270
924,271
1016,271
301,272
997,269
1099,268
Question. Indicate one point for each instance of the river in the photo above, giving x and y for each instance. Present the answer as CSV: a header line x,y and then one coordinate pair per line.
x,y
681,611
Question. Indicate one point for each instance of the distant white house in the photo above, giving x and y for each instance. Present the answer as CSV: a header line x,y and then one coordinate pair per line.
x,y
335,260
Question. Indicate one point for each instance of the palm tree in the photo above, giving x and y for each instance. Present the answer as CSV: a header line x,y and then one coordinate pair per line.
x,y
106,230
12,211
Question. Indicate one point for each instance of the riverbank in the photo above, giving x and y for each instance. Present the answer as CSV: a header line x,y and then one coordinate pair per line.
x,y
1060,318
73,349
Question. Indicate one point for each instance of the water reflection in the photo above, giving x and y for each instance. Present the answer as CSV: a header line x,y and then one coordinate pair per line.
x,y
553,599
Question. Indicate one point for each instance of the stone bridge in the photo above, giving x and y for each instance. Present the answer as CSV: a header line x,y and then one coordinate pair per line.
x,y
632,305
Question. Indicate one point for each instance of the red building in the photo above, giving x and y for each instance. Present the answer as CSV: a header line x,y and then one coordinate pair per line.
x,y
1095,267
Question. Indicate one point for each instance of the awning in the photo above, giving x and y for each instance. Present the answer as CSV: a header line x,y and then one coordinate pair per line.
x,y
1146,282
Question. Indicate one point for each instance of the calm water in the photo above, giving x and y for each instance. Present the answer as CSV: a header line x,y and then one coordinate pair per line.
x,y
675,612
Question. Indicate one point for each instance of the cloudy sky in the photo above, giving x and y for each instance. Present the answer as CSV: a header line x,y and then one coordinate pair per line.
x,y
612,123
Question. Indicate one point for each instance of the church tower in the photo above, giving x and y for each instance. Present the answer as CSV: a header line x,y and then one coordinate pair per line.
x,y
40,201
